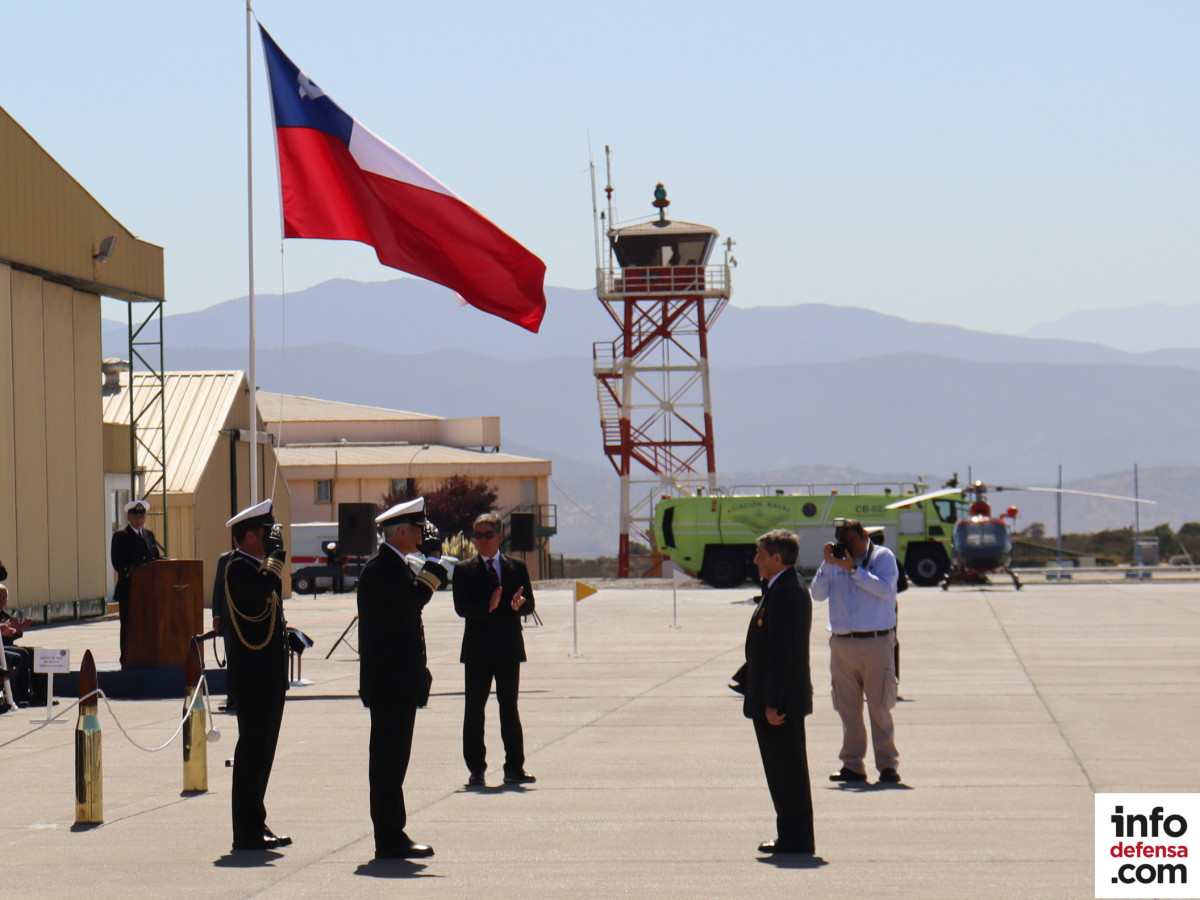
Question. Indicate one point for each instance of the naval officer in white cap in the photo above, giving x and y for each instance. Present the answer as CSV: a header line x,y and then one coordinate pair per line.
x,y
393,678
132,546
258,676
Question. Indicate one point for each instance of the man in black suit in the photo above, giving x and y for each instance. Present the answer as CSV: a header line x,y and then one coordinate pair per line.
x,y
779,689
492,592
393,678
132,546
258,670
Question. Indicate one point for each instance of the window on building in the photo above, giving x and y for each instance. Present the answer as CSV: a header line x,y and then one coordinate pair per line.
x,y
325,491
398,485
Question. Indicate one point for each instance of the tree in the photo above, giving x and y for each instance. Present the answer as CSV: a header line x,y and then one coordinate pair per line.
x,y
1036,530
453,505
1168,544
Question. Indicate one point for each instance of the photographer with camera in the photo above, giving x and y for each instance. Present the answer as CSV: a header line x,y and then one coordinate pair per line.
x,y
859,581
258,668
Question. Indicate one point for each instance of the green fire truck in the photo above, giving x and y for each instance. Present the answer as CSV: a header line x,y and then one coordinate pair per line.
x,y
713,536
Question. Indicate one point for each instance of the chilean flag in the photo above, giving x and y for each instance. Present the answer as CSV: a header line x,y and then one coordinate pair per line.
x,y
341,182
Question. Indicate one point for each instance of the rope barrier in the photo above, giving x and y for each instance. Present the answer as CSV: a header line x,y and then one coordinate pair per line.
x,y
201,685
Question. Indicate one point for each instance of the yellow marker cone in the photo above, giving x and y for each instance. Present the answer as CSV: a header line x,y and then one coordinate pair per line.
x,y
583,590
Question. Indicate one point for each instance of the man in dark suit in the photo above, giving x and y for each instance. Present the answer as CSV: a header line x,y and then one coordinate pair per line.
x,y
492,592
132,546
779,689
393,678
258,671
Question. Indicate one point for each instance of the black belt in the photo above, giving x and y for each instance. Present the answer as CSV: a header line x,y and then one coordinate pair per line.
x,y
867,634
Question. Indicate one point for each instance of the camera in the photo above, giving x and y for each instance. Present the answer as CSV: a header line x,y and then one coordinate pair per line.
x,y
840,547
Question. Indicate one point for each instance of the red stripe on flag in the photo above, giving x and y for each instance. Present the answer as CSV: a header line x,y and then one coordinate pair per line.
x,y
425,233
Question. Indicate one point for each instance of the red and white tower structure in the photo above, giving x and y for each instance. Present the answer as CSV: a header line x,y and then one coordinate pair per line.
x,y
652,379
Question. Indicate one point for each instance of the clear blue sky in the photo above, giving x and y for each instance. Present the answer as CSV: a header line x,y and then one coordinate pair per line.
x,y
988,164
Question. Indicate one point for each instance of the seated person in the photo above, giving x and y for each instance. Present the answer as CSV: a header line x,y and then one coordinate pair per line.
x,y
19,660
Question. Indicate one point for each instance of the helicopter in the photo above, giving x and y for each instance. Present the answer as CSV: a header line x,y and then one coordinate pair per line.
x,y
983,542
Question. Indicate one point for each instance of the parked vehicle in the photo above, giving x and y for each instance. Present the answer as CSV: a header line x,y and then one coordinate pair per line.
x,y
713,536
316,564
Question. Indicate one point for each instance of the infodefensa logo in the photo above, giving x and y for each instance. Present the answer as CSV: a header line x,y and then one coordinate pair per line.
x,y
1144,844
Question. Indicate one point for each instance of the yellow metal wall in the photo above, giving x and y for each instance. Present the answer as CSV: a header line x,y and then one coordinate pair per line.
x,y
91,522
32,563
51,463
59,473
8,444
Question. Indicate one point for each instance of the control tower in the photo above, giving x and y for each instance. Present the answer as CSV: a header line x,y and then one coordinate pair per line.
x,y
652,379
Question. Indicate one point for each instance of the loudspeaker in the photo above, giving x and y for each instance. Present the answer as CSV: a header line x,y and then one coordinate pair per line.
x,y
521,532
356,528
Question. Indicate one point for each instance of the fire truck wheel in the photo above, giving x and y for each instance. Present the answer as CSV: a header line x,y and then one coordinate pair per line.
x,y
725,568
926,566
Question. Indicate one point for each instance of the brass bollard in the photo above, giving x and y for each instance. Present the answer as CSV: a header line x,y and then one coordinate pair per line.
x,y
195,735
89,768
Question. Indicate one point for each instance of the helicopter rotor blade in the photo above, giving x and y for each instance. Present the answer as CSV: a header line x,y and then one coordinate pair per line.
x,y
1049,490
909,501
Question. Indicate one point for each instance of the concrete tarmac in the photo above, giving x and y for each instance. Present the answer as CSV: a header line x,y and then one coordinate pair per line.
x,y
1018,707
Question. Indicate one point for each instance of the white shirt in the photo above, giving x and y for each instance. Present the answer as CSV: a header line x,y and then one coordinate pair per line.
x,y
862,600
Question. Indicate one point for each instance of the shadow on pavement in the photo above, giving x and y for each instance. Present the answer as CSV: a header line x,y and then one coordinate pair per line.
x,y
794,861
247,859
394,868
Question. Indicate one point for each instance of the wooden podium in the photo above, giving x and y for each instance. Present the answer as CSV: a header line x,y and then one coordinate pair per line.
x,y
166,608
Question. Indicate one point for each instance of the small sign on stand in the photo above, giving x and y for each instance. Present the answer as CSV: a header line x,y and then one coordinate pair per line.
x,y
47,661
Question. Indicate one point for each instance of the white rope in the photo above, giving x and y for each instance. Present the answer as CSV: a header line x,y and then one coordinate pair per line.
x,y
201,686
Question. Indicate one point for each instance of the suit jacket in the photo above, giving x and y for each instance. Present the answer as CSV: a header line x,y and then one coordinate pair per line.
x,y
129,550
218,592
391,636
255,617
777,650
491,637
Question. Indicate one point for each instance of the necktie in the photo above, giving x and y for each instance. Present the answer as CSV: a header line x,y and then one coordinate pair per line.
x,y
493,574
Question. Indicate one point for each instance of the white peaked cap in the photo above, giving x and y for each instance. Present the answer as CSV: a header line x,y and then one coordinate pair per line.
x,y
411,512
137,504
251,512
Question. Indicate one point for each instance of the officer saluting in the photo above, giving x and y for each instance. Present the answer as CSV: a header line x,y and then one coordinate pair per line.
x,y
393,680
258,676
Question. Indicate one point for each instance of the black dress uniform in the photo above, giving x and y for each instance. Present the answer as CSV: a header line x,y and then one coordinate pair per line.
x,y
778,677
127,551
492,647
393,679
258,682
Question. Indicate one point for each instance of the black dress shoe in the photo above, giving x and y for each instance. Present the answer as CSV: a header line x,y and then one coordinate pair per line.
x,y
262,843
518,778
845,774
477,780
283,840
783,847
891,776
411,850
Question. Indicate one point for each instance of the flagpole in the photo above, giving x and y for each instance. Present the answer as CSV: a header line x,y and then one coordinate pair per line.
x,y
250,237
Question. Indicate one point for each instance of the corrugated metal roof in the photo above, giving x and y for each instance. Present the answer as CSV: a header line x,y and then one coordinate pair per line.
x,y
50,225
291,408
343,455
197,407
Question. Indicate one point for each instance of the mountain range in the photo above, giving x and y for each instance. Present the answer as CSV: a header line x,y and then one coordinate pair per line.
x,y
801,394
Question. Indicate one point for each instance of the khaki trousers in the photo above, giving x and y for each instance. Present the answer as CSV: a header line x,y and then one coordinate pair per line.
x,y
865,667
